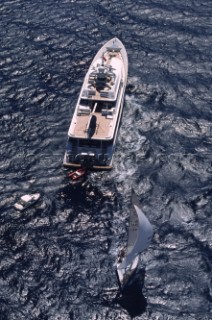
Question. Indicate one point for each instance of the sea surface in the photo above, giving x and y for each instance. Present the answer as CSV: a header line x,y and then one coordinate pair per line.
x,y
57,259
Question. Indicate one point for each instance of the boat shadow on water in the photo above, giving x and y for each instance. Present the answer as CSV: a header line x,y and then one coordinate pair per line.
x,y
131,298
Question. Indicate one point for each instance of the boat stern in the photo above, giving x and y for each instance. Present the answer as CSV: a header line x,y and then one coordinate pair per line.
x,y
87,160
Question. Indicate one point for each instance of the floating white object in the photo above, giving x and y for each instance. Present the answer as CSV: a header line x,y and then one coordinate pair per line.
x,y
26,201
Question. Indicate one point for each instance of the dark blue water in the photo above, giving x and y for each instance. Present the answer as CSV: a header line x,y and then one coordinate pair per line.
x,y
57,260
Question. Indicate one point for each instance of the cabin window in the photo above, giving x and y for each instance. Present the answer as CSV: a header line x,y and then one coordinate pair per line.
x,y
89,143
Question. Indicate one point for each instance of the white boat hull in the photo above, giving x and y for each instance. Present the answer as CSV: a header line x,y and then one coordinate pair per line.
x,y
27,201
125,275
94,127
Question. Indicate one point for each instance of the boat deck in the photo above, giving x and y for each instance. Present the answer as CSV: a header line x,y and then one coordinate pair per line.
x,y
93,130
100,102
102,130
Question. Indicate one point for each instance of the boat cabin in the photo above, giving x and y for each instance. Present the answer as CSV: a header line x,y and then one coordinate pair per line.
x,y
103,80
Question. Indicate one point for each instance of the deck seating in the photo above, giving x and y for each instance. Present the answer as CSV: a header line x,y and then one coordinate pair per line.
x,y
83,110
107,112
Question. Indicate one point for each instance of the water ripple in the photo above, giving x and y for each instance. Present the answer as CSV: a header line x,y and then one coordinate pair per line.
x,y
58,258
